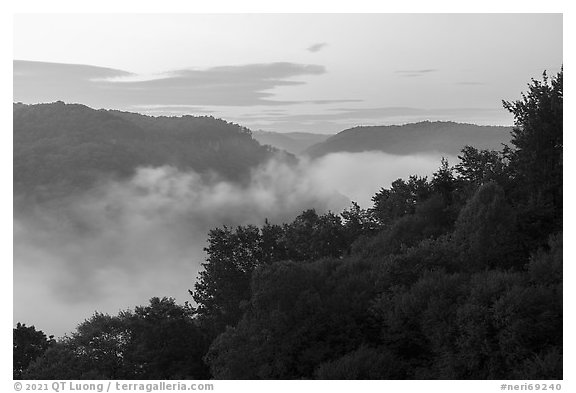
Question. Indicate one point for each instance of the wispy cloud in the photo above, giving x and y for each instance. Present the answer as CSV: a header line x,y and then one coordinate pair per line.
x,y
470,83
337,119
241,85
173,110
414,73
383,113
317,47
337,101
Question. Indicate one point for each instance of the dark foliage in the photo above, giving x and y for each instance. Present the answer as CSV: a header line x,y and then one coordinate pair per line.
x,y
28,344
67,148
159,341
223,288
536,157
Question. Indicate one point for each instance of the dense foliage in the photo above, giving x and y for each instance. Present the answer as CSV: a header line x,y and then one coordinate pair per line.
x,y
454,277
67,148
28,344
159,341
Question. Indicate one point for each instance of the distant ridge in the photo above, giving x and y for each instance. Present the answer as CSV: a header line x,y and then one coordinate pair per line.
x,y
60,149
439,136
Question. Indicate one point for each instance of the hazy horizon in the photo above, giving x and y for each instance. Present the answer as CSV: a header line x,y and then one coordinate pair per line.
x,y
381,69
173,115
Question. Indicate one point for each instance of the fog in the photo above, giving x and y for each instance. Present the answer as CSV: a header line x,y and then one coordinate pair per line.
x,y
125,242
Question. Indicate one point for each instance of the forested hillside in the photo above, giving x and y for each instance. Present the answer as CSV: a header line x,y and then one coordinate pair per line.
x,y
61,149
439,136
457,276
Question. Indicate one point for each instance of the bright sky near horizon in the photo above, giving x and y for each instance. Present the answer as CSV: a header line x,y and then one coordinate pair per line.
x,y
288,72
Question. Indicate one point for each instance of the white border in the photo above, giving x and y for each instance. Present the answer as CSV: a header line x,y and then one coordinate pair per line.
x,y
296,6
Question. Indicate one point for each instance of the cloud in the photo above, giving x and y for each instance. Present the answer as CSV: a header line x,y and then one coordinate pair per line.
x,y
337,101
317,47
414,73
470,83
241,85
333,120
188,109
55,73
383,114
125,242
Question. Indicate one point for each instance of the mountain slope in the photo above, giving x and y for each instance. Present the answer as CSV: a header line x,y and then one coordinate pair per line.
x,y
292,142
442,137
64,148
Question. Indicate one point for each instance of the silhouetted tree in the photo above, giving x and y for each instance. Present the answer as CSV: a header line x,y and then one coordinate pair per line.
x,y
357,223
225,281
443,181
63,361
486,231
400,199
477,167
28,344
536,157
158,341
363,363
166,342
312,236
300,315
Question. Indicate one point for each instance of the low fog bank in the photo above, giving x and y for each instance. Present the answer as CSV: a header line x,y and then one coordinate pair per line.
x,y
125,242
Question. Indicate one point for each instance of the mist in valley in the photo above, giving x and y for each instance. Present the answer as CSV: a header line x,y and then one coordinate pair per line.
x,y
124,242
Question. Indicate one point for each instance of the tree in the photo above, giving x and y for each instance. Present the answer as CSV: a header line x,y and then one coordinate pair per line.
x,y
536,156
157,341
400,199
363,363
357,222
166,342
223,287
102,341
443,181
486,233
62,361
299,316
225,281
477,167
312,236
95,351
28,344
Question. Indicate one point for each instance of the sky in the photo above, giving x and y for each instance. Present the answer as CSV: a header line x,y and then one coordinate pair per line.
x,y
317,73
